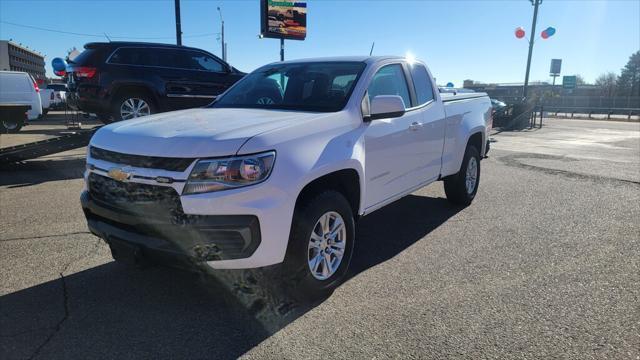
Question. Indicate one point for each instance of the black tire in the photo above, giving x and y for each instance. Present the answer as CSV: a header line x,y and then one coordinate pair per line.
x,y
120,99
455,185
299,281
10,126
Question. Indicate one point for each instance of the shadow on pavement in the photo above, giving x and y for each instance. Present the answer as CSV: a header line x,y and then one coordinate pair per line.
x,y
39,171
117,312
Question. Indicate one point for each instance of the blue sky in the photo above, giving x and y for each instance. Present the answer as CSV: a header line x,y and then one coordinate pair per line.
x,y
458,39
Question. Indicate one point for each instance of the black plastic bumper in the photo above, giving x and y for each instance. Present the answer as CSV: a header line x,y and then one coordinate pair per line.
x,y
174,239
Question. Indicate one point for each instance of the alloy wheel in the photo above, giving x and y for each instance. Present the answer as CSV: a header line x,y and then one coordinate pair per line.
x,y
327,245
471,175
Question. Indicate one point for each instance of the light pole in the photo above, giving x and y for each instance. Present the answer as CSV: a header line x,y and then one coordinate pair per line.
x,y
535,4
224,45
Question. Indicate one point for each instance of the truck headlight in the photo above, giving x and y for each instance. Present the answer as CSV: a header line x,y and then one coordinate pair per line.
x,y
229,173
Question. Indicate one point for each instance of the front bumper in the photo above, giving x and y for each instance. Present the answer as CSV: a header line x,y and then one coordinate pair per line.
x,y
162,232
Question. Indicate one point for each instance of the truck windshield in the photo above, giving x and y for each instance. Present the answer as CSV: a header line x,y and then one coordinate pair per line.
x,y
308,86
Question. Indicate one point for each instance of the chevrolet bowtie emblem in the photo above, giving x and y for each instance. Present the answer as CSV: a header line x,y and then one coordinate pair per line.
x,y
119,174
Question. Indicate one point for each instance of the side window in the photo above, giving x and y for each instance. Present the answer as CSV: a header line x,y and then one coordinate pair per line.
x,y
132,56
168,58
195,60
121,56
422,83
390,80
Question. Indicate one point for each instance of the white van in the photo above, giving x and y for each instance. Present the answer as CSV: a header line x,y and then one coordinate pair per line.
x,y
19,88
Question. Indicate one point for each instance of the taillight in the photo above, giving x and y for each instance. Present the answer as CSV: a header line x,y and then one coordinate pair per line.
x,y
85,72
60,73
35,87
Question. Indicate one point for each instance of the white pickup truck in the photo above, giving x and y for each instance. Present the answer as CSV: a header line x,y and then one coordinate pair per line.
x,y
280,167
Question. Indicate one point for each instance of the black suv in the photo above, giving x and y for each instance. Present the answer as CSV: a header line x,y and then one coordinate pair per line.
x,y
123,80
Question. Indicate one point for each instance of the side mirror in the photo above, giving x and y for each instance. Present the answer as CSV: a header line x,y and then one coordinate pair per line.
x,y
387,106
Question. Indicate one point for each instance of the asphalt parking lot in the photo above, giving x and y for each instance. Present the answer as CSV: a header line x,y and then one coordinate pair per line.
x,y
544,264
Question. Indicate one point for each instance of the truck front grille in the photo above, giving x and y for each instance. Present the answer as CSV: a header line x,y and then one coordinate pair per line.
x,y
113,192
150,162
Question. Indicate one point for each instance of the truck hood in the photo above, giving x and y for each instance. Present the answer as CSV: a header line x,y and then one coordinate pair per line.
x,y
194,133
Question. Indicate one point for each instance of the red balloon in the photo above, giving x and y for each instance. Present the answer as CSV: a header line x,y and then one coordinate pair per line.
x,y
520,33
544,34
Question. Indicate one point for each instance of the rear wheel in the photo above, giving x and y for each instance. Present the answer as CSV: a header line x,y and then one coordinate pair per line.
x,y
10,126
462,187
131,106
320,246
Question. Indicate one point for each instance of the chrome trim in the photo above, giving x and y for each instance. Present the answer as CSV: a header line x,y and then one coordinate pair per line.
x,y
215,58
191,96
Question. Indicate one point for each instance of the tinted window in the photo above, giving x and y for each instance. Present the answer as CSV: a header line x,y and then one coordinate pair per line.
x,y
133,56
196,60
171,58
306,86
89,57
57,87
390,80
422,83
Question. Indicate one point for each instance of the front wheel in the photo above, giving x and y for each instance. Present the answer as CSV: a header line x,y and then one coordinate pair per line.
x,y
320,246
462,187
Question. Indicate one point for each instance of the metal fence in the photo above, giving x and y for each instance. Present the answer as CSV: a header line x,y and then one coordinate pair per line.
x,y
593,102
582,101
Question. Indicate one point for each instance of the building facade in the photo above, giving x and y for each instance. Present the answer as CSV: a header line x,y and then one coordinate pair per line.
x,y
14,57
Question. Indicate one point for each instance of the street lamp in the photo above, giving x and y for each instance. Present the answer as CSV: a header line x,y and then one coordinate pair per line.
x,y
224,45
535,4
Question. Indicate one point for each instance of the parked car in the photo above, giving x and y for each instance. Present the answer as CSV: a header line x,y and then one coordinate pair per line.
x,y
46,97
124,80
498,106
281,166
21,89
59,95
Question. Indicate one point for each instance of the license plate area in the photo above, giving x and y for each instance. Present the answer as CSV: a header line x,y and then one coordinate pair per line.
x,y
125,252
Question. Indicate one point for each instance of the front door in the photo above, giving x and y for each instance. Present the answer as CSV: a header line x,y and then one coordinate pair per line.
x,y
206,78
393,145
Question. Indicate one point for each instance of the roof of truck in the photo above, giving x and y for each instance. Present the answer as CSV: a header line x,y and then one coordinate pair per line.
x,y
367,59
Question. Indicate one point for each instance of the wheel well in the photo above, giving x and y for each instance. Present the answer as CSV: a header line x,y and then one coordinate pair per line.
x,y
346,182
476,140
134,89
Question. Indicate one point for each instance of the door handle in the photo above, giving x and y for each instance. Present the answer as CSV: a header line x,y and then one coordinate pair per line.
x,y
415,126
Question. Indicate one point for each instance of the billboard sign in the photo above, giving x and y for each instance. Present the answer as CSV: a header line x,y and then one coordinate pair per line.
x,y
283,19
569,82
556,65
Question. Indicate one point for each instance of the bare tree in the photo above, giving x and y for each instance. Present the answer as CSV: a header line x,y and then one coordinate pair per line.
x,y
580,80
607,83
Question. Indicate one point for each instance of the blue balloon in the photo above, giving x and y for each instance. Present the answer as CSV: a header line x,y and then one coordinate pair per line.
x,y
550,31
58,64
449,84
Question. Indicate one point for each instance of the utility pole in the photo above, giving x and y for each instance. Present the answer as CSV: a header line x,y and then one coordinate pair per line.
x,y
281,49
178,26
224,45
535,4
